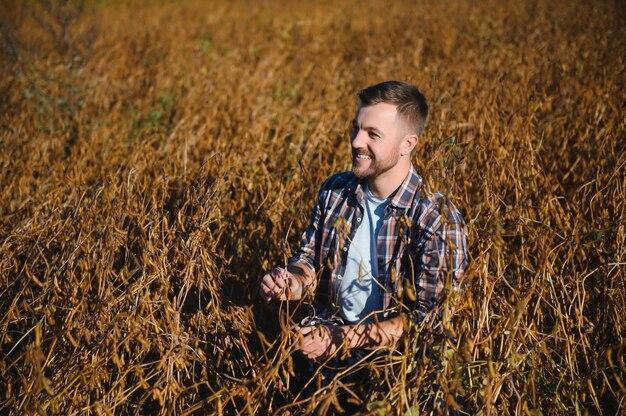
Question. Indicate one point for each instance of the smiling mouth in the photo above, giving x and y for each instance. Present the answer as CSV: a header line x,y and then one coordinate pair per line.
x,y
362,157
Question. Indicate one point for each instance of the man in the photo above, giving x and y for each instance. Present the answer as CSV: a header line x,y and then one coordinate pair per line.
x,y
379,247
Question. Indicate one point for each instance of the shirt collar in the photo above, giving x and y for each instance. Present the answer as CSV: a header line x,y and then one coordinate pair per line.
x,y
403,196
408,190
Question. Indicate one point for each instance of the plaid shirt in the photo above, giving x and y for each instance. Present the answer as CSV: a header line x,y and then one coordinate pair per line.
x,y
421,246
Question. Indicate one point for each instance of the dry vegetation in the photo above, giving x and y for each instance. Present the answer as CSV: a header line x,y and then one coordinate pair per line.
x,y
156,158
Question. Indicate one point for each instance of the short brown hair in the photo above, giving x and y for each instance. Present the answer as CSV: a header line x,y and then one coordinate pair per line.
x,y
410,102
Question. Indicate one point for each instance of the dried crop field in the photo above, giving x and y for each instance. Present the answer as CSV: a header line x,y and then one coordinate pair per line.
x,y
156,158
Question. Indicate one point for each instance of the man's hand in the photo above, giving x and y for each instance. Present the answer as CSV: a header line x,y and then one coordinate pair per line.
x,y
320,342
276,283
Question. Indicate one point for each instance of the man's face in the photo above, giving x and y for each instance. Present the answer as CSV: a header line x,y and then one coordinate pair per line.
x,y
377,132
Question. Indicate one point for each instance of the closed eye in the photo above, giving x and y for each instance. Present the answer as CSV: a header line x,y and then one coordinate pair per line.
x,y
373,133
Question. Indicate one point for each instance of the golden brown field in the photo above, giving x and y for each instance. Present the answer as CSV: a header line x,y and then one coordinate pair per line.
x,y
156,158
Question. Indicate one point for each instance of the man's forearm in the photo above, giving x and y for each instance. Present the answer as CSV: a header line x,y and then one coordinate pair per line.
x,y
373,335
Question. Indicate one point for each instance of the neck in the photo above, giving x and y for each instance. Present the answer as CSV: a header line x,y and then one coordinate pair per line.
x,y
384,185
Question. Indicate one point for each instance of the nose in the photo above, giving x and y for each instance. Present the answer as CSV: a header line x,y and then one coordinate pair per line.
x,y
357,139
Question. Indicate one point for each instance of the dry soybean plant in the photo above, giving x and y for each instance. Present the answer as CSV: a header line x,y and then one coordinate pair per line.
x,y
157,157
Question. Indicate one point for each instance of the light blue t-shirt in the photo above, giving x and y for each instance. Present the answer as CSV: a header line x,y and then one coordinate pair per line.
x,y
359,294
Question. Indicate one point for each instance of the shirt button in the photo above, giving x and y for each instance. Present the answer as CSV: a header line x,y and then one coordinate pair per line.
x,y
358,219
339,277
345,249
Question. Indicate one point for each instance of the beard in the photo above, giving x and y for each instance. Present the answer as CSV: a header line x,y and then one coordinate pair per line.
x,y
375,167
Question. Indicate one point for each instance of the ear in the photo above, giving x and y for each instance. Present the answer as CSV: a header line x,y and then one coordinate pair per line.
x,y
408,144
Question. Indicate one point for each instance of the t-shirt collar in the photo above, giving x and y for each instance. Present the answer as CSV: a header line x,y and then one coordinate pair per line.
x,y
405,194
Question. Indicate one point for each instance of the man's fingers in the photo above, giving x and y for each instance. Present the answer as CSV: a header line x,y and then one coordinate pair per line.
x,y
314,333
305,330
314,342
267,285
269,289
279,277
273,284
266,293
279,283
